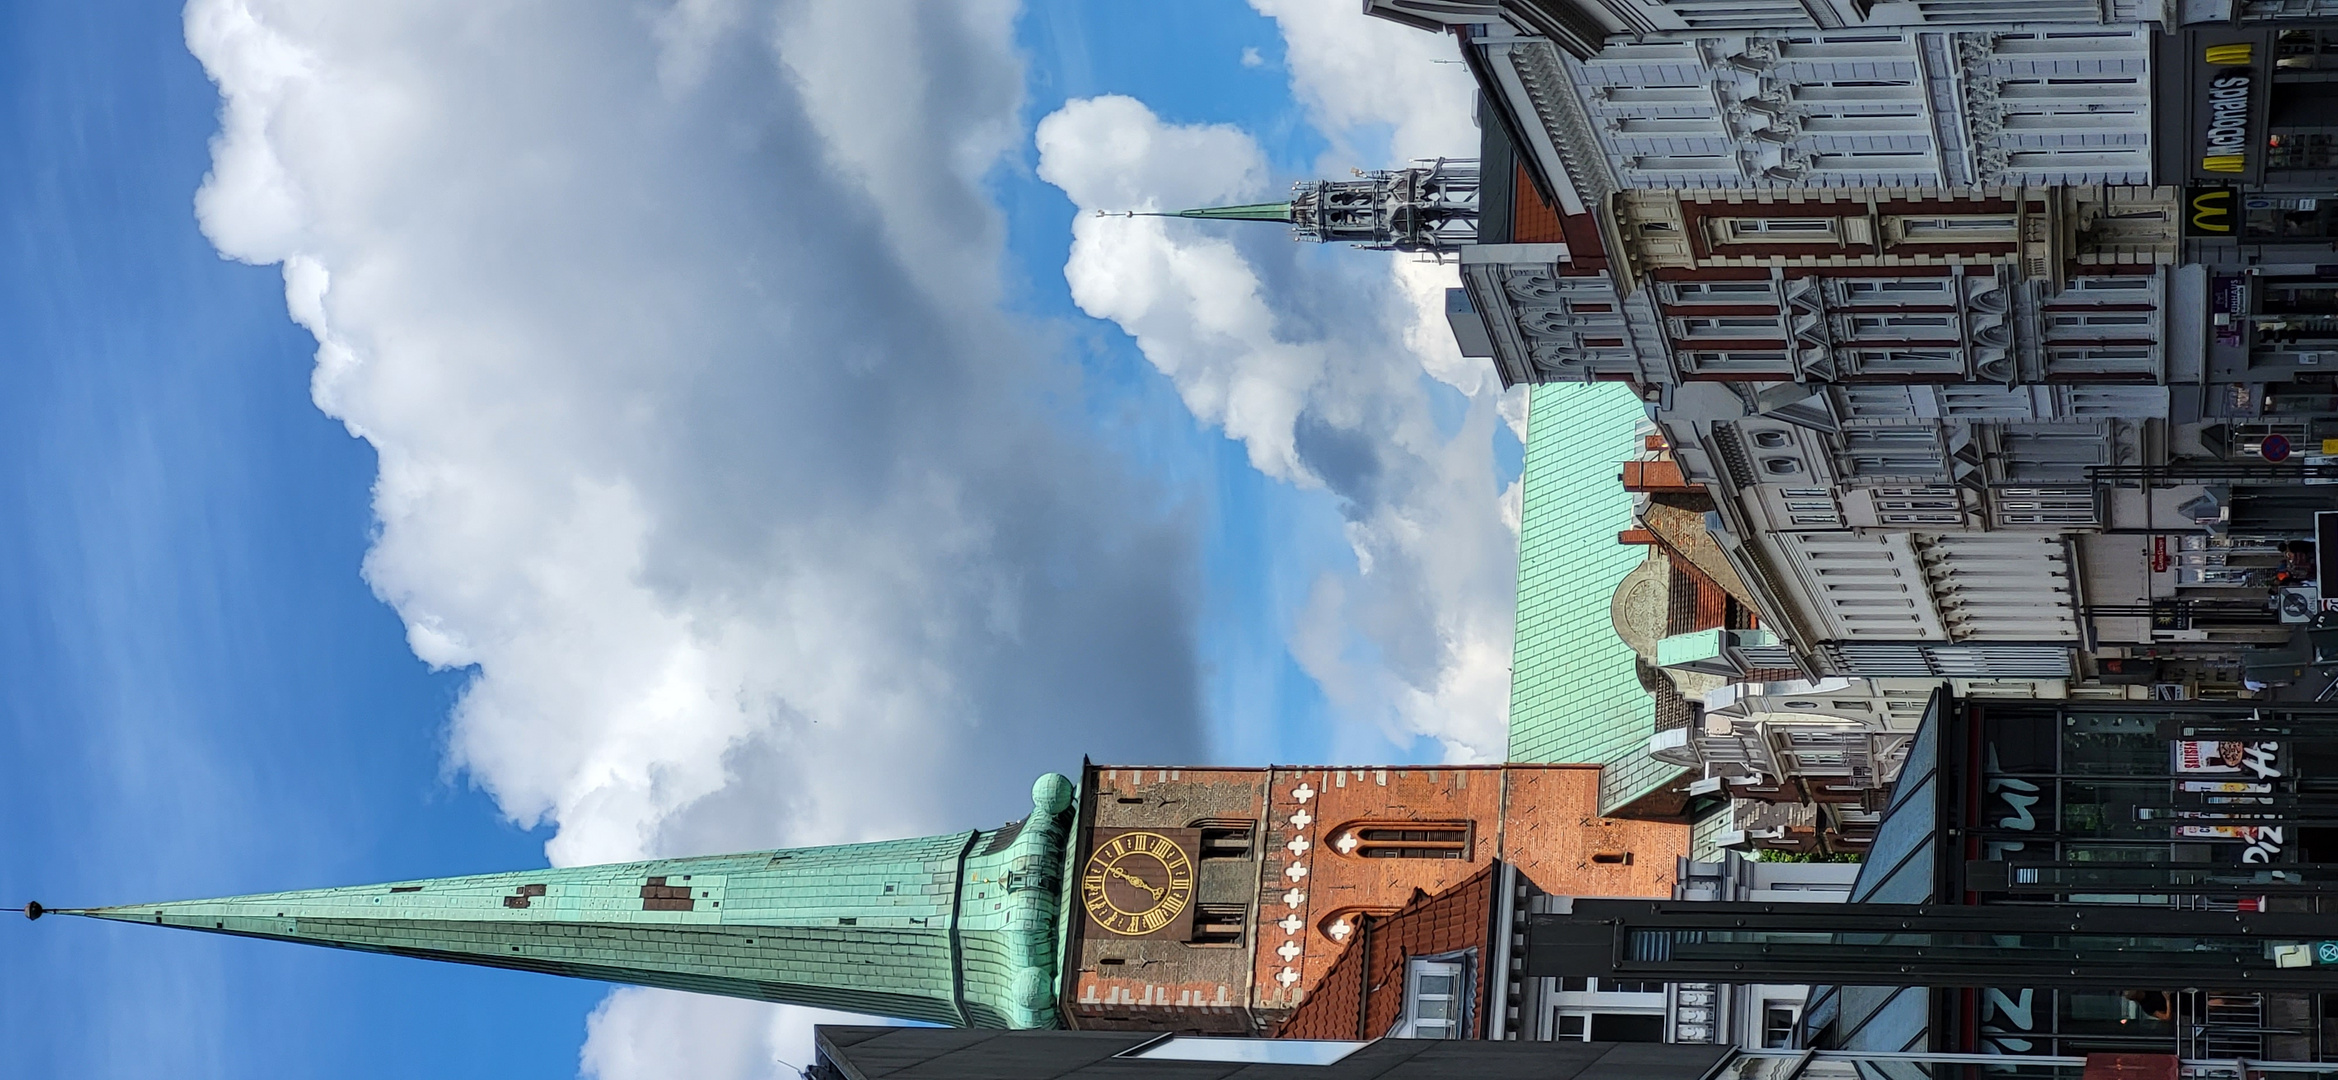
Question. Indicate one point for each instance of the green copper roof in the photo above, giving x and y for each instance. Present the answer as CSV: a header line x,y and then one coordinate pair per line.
x,y
1280,211
1574,697
956,929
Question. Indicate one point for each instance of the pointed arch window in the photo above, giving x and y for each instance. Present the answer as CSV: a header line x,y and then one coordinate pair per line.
x,y
1404,839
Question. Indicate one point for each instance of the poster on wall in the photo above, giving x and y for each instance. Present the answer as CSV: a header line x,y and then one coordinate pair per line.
x,y
2263,842
2212,757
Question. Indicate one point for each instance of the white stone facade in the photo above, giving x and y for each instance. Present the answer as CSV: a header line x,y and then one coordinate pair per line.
x,y
2032,104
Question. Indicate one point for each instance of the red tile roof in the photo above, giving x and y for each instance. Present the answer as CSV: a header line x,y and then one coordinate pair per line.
x,y
1362,995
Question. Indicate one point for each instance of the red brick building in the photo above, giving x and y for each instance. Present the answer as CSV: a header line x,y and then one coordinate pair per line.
x,y
1282,870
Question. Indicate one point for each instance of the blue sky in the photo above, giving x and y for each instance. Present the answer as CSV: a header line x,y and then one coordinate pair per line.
x,y
248,650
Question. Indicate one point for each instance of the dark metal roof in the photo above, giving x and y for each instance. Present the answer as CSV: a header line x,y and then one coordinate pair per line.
x,y
1903,867
902,1053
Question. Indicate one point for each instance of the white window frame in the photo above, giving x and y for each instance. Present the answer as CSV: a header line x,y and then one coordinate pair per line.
x,y
1780,230
1455,999
1760,292
1954,229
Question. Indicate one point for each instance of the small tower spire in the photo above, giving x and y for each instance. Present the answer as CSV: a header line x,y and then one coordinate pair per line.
x,y
1429,207
959,930
1251,212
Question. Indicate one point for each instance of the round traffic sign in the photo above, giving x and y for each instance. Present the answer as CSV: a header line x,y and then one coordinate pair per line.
x,y
2274,448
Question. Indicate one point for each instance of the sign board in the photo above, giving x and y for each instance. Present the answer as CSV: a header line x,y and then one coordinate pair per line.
x,y
2274,448
2230,72
2211,211
2228,302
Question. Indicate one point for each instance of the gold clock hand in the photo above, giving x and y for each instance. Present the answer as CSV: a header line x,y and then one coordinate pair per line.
x,y
1137,881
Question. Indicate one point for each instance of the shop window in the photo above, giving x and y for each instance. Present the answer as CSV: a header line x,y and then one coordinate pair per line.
x,y
2301,150
1404,840
2108,810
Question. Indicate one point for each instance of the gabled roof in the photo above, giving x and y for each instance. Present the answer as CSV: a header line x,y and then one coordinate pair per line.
x,y
1362,995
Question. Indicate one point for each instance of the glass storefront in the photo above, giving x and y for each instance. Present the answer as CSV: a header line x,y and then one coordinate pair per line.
x,y
2079,784
2197,809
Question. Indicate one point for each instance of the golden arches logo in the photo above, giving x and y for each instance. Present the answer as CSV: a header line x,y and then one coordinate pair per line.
x,y
2231,163
2236,55
2212,211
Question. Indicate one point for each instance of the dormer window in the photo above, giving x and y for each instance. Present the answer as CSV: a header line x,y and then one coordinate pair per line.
x,y
1437,997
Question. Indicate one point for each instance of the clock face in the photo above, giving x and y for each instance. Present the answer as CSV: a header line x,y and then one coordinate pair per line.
x,y
1137,883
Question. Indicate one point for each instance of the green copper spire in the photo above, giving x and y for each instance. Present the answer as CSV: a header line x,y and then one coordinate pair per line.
x,y
957,930
1280,211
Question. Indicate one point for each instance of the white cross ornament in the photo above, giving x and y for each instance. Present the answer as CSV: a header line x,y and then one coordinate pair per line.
x,y
1298,845
1292,924
1289,951
1294,898
1302,819
1295,871
1303,792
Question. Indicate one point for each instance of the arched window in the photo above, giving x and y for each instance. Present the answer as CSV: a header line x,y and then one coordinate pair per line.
x,y
1403,839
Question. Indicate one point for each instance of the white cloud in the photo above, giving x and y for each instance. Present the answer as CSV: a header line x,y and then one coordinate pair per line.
x,y
1320,367
1250,57
1358,74
638,1032
701,437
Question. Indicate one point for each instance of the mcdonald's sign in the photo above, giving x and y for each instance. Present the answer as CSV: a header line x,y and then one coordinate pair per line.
x,y
2211,211
2238,54
2226,106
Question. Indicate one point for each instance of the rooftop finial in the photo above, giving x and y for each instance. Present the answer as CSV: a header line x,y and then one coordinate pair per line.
x,y
32,909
